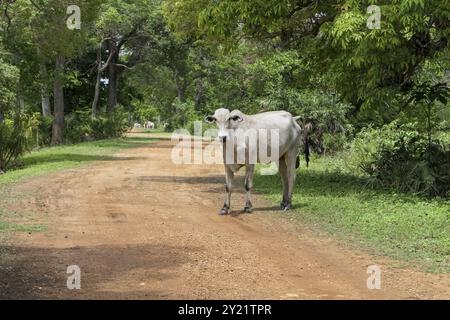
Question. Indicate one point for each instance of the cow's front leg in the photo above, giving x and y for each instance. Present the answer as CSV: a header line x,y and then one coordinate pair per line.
x,y
250,169
229,175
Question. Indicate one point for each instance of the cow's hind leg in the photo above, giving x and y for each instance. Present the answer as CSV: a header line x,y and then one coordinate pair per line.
x,y
229,175
250,169
284,180
291,159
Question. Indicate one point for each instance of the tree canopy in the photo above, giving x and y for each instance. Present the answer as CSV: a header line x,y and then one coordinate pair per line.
x,y
356,63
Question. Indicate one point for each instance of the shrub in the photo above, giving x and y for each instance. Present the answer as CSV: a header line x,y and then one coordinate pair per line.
x,y
399,156
44,130
109,125
334,142
78,126
14,139
37,129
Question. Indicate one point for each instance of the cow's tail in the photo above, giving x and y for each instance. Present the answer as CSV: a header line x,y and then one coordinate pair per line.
x,y
305,150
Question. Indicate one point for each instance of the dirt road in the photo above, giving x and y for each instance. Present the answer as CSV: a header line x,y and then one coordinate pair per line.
x,y
142,227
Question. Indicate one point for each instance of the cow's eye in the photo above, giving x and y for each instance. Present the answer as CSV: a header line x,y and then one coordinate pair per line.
x,y
235,118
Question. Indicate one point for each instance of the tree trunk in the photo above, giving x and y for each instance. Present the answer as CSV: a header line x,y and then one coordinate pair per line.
x,y
100,68
96,94
20,102
45,98
113,76
112,88
181,85
58,96
45,103
97,81
429,132
198,94
285,37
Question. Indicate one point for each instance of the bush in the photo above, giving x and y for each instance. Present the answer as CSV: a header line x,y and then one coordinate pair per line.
x,y
44,130
14,139
183,116
80,126
109,125
334,142
399,156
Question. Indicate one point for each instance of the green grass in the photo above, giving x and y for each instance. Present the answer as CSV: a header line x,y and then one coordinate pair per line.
x,y
52,159
405,227
153,131
7,226
48,160
9,222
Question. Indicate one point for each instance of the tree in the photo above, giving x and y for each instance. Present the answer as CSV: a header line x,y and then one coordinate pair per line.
x,y
9,76
120,22
368,68
37,33
429,94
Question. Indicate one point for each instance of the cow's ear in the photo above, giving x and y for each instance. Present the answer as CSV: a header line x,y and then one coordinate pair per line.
x,y
236,118
210,119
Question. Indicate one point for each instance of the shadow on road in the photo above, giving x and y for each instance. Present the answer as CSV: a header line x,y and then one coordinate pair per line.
x,y
40,273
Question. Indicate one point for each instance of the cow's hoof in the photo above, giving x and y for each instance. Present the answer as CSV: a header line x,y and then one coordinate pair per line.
x,y
285,206
248,209
223,211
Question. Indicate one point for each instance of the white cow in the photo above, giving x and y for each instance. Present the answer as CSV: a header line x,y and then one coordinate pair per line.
x,y
137,125
149,125
287,141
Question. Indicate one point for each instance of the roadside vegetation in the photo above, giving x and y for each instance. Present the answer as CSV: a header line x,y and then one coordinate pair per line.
x,y
9,222
403,226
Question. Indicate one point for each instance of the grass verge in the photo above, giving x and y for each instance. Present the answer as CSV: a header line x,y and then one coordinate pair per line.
x,y
52,159
48,160
401,226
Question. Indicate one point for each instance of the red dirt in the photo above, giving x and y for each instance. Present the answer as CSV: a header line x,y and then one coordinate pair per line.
x,y
141,227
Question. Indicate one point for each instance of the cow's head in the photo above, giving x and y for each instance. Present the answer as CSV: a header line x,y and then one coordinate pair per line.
x,y
225,121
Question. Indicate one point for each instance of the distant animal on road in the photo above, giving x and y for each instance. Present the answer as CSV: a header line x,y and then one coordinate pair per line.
x,y
137,125
290,140
149,125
